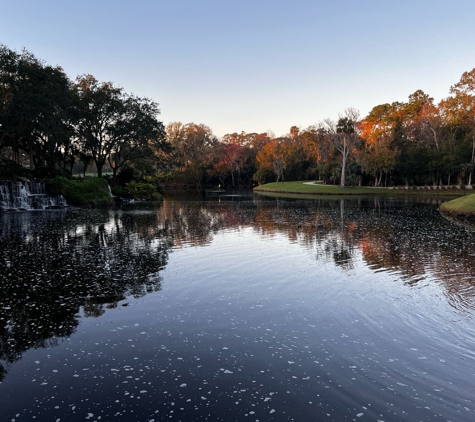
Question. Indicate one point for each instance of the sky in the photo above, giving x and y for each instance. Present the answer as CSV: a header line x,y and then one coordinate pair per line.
x,y
252,65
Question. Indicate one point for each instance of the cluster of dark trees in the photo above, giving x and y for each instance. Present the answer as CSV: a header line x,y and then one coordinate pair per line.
x,y
52,122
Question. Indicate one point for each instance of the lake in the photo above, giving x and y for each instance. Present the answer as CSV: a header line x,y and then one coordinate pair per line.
x,y
242,308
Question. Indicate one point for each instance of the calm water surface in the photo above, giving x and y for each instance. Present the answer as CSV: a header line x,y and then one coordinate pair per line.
x,y
250,309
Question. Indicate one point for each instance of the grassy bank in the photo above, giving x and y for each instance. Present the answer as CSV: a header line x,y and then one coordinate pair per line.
x,y
460,208
306,188
91,192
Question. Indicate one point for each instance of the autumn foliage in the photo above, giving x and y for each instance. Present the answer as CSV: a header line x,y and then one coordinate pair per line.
x,y
53,122
418,142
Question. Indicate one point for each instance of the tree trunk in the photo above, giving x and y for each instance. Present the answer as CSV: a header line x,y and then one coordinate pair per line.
x,y
99,165
343,171
32,164
16,155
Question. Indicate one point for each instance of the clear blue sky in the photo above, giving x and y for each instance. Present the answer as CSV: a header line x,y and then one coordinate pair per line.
x,y
252,65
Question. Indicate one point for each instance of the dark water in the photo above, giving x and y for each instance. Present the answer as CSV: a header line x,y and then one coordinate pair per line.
x,y
255,309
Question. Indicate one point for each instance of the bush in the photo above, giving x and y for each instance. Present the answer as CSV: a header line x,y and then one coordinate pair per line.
x,y
155,181
263,176
145,191
121,191
166,176
91,192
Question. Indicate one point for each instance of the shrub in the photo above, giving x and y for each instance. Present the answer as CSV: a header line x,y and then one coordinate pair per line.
x,y
145,191
90,192
263,176
155,181
121,191
166,176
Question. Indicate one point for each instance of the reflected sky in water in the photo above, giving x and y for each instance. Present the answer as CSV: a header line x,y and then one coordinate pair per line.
x,y
248,308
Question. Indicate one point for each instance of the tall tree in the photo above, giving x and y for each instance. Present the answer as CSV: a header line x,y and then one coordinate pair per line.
x,y
36,109
101,110
191,142
114,125
235,153
378,155
343,136
176,137
193,149
314,144
142,134
278,156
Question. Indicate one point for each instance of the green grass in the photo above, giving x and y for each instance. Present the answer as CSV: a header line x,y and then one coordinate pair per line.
x,y
334,197
461,207
318,189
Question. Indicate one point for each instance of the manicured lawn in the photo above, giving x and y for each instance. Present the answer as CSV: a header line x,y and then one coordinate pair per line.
x,y
464,206
301,187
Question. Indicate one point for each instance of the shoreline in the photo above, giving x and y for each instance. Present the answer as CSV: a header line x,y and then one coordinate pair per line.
x,y
461,210
314,189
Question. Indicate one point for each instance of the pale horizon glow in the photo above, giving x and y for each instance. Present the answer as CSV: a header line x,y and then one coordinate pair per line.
x,y
253,66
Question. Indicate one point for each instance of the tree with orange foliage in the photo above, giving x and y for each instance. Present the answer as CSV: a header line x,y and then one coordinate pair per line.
x,y
314,145
280,154
194,147
271,159
378,157
219,170
423,123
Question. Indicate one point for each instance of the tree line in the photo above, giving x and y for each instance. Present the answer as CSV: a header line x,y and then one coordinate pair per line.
x,y
417,142
55,123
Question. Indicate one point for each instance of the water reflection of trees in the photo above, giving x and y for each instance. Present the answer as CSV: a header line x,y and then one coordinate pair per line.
x,y
419,244
408,238
52,266
195,223
55,266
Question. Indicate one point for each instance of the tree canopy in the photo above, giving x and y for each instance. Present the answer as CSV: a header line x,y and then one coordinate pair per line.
x,y
54,121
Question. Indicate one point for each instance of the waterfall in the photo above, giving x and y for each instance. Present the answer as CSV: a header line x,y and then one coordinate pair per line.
x,y
24,196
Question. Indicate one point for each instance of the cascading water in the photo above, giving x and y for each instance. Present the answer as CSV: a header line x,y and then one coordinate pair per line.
x,y
24,196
